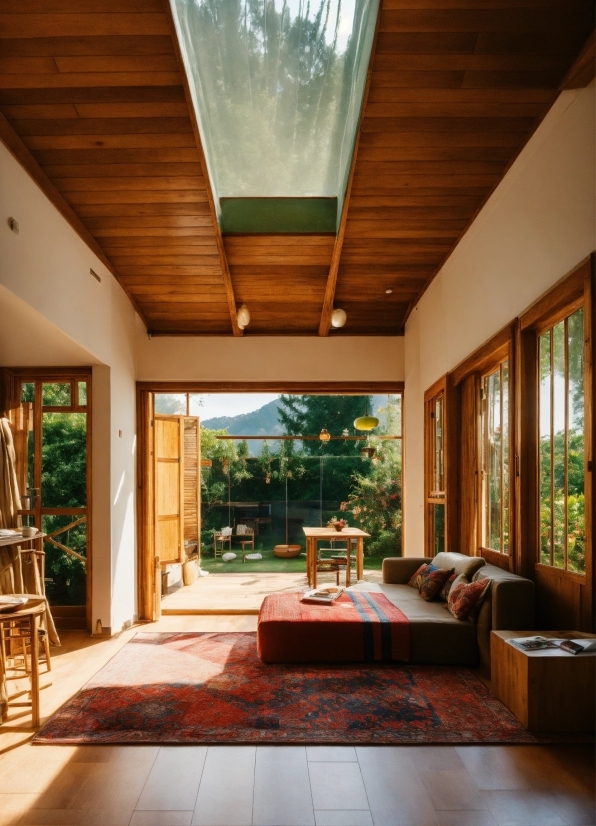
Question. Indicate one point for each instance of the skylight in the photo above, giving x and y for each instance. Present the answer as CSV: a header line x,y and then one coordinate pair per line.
x,y
277,87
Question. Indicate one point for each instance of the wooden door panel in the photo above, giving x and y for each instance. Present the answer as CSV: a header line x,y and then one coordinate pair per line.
x,y
168,490
167,438
169,475
167,540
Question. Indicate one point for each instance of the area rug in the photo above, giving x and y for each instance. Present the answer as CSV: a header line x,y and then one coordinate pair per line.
x,y
212,688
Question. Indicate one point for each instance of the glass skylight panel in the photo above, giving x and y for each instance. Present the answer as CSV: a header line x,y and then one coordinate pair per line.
x,y
277,87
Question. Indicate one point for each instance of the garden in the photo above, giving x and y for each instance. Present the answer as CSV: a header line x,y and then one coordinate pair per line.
x,y
297,482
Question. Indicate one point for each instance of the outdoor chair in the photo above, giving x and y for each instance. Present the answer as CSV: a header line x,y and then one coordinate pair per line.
x,y
248,539
220,540
338,561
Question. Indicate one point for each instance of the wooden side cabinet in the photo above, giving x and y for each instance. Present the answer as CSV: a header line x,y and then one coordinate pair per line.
x,y
548,690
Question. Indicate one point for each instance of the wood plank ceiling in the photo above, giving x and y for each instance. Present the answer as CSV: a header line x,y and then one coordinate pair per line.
x,y
95,92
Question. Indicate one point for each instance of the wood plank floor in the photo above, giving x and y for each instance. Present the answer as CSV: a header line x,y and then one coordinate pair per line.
x,y
275,785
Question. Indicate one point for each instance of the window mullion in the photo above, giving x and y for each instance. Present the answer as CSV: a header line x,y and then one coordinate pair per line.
x,y
552,446
566,449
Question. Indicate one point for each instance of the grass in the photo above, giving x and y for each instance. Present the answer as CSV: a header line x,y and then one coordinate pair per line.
x,y
270,564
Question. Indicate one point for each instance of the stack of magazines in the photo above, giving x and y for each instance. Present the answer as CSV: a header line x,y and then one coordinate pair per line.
x,y
539,643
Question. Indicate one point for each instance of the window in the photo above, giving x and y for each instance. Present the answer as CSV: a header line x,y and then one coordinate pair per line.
x,y
494,460
556,426
277,89
50,420
435,469
561,450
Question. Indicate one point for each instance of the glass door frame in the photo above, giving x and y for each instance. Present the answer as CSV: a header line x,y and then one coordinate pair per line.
x,y
65,375
149,608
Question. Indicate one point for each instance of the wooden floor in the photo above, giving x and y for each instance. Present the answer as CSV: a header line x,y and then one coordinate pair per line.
x,y
275,785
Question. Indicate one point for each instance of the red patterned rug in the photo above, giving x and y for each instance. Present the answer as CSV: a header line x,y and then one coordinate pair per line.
x,y
212,688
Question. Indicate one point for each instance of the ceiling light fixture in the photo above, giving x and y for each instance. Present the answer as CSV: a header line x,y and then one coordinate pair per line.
x,y
366,422
243,317
389,291
338,318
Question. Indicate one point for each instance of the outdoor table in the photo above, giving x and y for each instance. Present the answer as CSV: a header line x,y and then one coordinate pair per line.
x,y
314,535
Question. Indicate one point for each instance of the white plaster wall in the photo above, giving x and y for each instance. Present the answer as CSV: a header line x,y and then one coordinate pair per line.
x,y
538,224
53,312
263,358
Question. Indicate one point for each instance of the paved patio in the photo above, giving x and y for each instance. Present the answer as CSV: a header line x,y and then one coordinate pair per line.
x,y
238,593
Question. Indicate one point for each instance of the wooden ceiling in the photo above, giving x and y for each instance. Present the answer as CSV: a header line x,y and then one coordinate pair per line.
x,y
96,108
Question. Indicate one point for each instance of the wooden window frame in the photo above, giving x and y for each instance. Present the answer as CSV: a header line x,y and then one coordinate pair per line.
x,y
13,379
432,498
492,555
148,575
575,290
465,479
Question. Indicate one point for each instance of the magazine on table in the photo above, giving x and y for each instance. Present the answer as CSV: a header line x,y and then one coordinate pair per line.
x,y
324,595
538,643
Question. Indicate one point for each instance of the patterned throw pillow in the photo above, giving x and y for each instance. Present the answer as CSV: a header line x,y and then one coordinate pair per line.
x,y
447,587
433,581
465,598
416,579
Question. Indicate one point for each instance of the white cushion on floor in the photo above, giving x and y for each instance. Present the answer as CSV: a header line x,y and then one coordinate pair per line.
x,y
254,556
228,557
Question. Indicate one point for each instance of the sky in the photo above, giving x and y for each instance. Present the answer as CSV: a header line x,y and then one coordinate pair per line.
x,y
229,404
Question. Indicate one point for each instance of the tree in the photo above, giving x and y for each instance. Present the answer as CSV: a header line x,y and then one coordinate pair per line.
x,y
375,501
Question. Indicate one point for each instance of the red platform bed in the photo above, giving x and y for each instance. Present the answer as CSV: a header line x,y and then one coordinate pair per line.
x,y
357,627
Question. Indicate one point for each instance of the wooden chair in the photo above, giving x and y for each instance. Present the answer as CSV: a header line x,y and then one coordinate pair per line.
x,y
248,539
223,538
333,564
33,556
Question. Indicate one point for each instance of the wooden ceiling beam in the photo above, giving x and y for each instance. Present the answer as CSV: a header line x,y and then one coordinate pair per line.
x,y
327,311
225,270
23,156
584,68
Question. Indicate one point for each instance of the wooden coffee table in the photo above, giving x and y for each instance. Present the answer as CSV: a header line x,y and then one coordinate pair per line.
x,y
548,689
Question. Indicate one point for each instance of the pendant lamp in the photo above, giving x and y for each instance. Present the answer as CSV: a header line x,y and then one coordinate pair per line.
x,y
366,422
324,435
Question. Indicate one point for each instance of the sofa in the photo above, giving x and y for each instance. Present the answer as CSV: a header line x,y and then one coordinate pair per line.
x,y
436,636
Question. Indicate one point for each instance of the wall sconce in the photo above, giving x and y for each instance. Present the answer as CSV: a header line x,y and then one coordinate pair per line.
x,y
243,317
338,318
324,435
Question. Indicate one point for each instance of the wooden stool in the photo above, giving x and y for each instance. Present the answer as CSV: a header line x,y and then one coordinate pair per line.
x,y
25,621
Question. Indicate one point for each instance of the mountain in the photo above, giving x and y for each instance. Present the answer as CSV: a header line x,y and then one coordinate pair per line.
x,y
259,422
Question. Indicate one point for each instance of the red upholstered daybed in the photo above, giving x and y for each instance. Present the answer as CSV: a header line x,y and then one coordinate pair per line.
x,y
357,627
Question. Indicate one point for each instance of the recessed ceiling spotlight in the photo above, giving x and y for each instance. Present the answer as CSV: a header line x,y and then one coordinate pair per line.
x,y
389,291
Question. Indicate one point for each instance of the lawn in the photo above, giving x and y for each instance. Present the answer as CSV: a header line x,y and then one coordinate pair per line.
x,y
270,564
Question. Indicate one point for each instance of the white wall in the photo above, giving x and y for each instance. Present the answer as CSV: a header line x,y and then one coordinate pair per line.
x,y
263,358
54,313
538,224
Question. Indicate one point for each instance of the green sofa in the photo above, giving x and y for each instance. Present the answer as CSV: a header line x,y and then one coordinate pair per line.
x,y
436,636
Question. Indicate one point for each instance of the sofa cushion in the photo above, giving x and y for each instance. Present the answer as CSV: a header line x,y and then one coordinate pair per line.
x,y
418,576
433,581
460,563
465,598
444,593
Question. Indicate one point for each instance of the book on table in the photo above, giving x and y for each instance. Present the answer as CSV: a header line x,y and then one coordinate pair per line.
x,y
324,596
